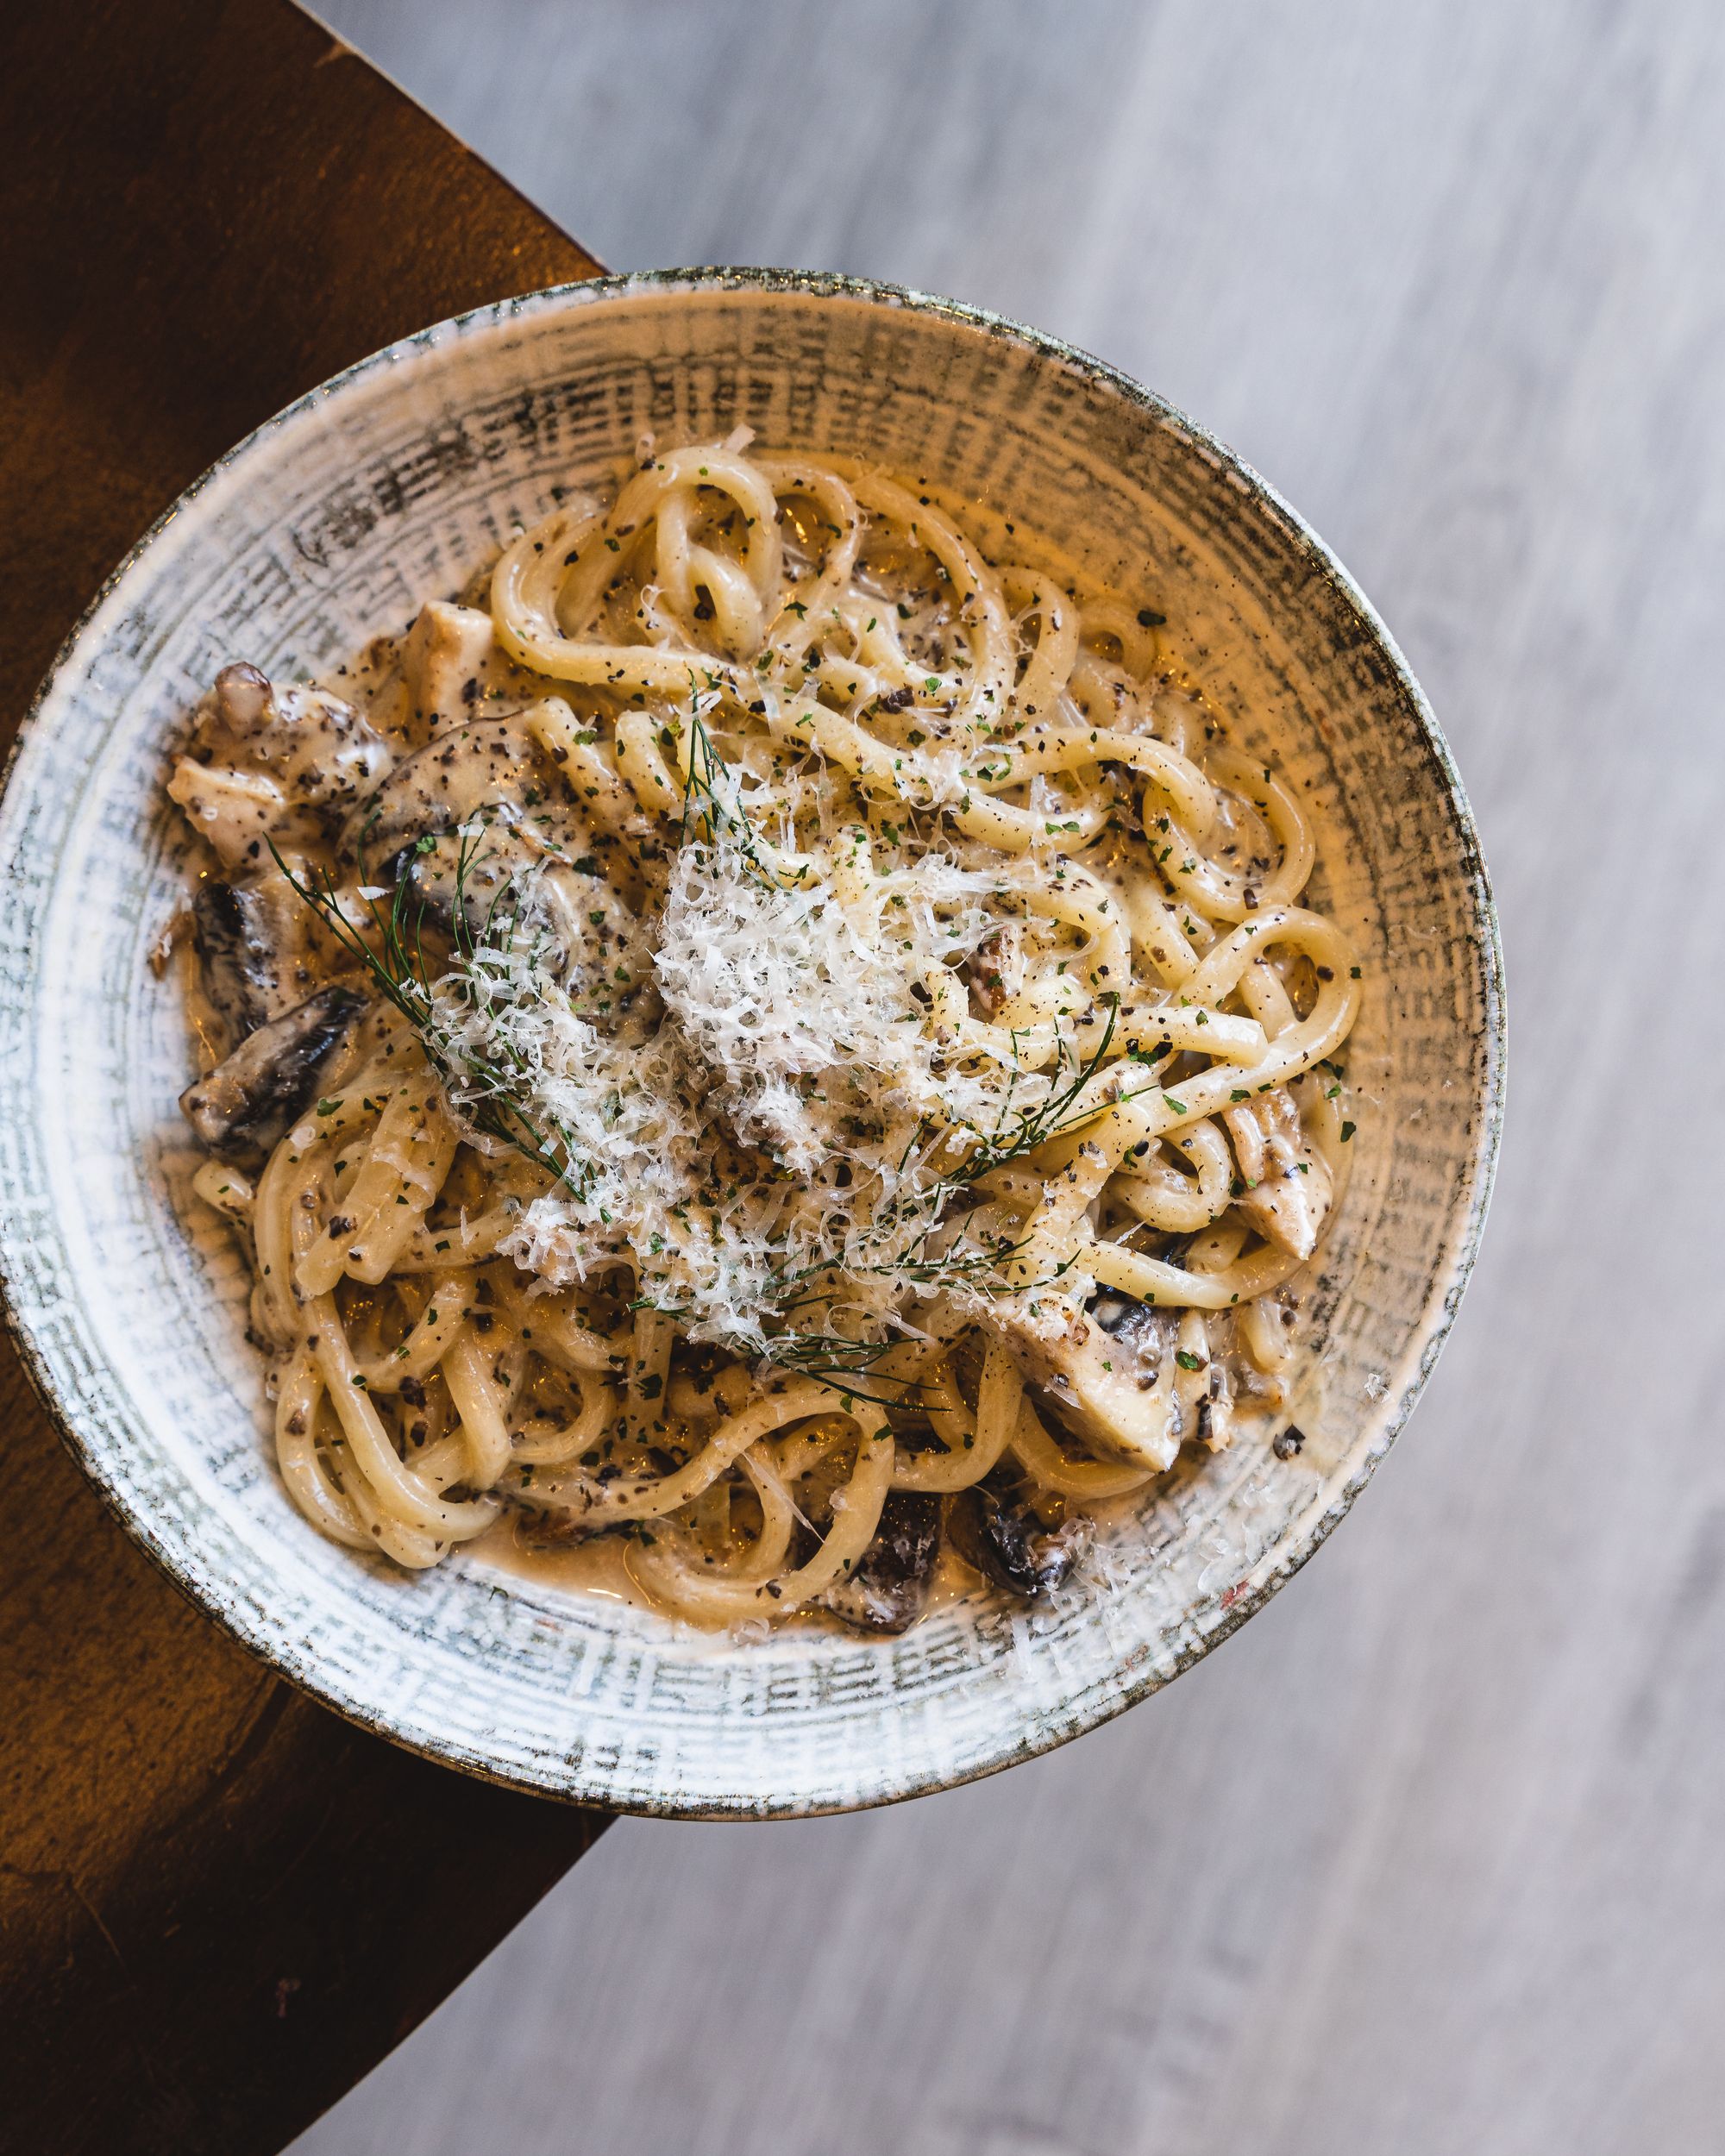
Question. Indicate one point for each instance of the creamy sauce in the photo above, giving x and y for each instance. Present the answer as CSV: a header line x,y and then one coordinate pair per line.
x,y
857,948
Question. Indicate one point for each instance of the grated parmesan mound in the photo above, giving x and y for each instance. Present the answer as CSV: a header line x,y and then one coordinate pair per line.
x,y
775,1102
768,984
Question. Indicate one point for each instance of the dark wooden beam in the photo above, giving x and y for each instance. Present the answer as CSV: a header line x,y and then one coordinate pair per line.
x,y
219,1905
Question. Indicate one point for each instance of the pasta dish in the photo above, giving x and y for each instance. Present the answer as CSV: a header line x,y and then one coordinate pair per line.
x,y
768,1033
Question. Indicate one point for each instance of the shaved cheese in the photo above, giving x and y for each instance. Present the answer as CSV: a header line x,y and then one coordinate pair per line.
x,y
777,1099
771,984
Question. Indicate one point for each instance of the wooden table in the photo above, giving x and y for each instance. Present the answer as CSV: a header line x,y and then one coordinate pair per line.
x,y
217,1909
1427,1859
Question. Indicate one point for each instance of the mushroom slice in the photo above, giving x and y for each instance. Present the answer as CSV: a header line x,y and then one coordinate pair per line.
x,y
263,754
889,1588
242,954
588,939
241,699
448,876
487,763
241,1107
444,662
1008,1545
1145,1337
316,742
1288,1185
997,969
1107,1390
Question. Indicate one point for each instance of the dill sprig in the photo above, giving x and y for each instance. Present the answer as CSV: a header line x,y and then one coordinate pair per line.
x,y
710,804
901,1241
1019,1130
397,965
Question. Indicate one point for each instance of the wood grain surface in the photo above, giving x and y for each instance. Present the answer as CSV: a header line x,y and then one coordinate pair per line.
x,y
219,1905
1428,1860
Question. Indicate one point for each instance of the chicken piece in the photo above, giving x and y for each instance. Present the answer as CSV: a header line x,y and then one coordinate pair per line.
x,y
889,1590
1105,1386
241,1107
236,810
317,747
1288,1187
262,755
443,663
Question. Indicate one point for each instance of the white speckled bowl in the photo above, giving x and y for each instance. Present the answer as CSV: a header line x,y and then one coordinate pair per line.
x,y
395,480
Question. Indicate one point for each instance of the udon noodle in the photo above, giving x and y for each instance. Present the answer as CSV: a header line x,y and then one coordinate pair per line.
x,y
762,1032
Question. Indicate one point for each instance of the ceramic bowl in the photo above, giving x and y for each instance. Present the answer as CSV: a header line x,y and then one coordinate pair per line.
x,y
395,480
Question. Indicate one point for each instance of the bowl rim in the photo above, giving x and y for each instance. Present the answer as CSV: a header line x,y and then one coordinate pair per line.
x,y
1470,1202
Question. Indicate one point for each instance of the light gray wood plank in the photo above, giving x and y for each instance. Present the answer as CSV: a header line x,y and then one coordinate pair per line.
x,y
1427,1858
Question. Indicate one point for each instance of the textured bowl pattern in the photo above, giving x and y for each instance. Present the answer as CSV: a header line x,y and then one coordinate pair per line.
x,y
395,481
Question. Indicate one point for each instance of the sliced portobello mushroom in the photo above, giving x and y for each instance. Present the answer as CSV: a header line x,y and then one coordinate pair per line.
x,y
1144,1335
267,762
250,959
889,1588
486,763
241,1107
588,936
996,1531
441,883
230,932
